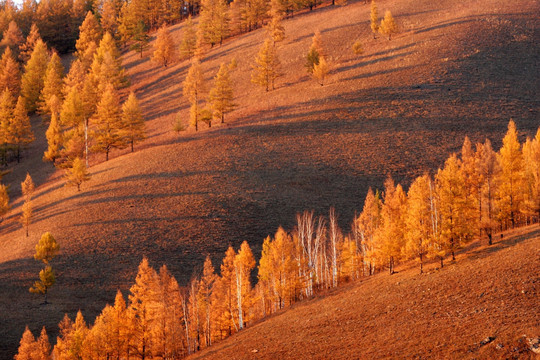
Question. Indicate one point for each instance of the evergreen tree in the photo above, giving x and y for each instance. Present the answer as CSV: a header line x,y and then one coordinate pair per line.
x,y
89,32
140,38
511,177
388,25
20,129
47,279
77,174
222,94
189,40
374,18
52,84
27,48
193,88
164,48
10,76
108,123
34,76
133,121
267,66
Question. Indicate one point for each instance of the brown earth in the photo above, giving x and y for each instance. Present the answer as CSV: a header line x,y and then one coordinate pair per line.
x,y
483,306
456,69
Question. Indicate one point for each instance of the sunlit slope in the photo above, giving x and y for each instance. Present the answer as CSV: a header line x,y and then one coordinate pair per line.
x,y
444,314
400,108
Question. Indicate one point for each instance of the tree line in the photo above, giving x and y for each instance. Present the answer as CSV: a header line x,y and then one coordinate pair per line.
x,y
473,195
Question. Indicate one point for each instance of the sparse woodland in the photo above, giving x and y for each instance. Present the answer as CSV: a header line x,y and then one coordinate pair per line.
x,y
475,194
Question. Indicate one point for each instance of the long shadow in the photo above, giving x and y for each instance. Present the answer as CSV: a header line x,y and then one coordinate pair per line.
x,y
374,61
149,196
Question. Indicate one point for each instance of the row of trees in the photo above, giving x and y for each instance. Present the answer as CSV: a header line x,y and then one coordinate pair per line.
x,y
472,195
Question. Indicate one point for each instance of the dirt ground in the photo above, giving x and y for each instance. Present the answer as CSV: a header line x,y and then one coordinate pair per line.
x,y
456,69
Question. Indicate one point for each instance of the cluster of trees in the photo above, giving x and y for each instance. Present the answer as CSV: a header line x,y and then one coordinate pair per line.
x,y
473,194
84,106
387,26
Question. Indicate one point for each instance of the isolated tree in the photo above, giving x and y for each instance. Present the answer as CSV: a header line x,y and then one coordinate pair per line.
x,y
77,174
108,123
357,47
374,17
511,176
321,70
89,32
140,38
267,66
20,129
388,25
193,88
222,94
164,47
27,346
52,84
10,76
315,52
54,139
133,128
34,76
47,279
27,48
27,187
4,202
47,248
189,40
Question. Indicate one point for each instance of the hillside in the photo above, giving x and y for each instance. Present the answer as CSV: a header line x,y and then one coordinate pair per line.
x,y
401,108
490,292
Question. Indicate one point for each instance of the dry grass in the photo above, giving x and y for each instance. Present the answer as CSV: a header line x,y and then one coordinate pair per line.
x,y
443,314
457,69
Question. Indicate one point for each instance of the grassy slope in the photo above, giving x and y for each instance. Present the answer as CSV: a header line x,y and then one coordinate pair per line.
x,y
445,313
456,69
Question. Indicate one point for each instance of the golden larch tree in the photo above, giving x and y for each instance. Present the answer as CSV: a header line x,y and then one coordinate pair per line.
x,y
488,170
10,75
193,89
54,139
164,47
34,76
388,25
321,70
315,52
133,129
27,48
214,21
374,18
20,129
531,159
244,263
77,174
27,346
4,202
108,123
222,94
204,295
27,187
511,177
189,39
89,31
267,66
12,38
52,84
